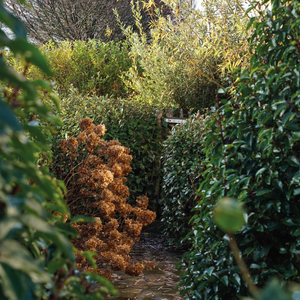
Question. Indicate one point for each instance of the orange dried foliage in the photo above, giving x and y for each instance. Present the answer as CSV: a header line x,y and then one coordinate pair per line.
x,y
96,188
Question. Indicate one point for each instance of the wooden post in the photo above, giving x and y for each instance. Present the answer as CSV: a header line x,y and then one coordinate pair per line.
x,y
170,112
181,113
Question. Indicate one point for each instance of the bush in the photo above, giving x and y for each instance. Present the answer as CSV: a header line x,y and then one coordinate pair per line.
x,y
88,67
188,57
95,188
37,260
182,164
134,125
252,150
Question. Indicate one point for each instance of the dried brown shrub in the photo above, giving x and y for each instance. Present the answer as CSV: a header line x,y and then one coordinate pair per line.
x,y
96,188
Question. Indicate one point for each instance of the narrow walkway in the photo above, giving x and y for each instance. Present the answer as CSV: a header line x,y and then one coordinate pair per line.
x,y
157,284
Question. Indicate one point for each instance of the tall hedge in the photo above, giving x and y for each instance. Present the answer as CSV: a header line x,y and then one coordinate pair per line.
x,y
182,166
134,125
252,149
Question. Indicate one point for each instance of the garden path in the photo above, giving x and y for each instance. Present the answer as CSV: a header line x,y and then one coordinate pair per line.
x,y
157,284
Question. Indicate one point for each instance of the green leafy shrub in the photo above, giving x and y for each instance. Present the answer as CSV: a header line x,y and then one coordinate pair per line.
x,y
134,125
37,260
182,165
229,216
252,149
91,67
188,57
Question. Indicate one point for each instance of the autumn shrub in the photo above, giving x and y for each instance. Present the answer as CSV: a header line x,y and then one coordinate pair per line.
x,y
189,55
252,151
134,125
95,187
183,158
91,67
37,260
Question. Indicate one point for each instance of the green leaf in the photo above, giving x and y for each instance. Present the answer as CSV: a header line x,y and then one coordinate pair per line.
x,y
297,232
273,291
224,280
55,265
260,171
18,258
31,54
263,192
67,229
209,271
80,219
13,23
236,279
102,281
279,109
7,116
293,161
89,255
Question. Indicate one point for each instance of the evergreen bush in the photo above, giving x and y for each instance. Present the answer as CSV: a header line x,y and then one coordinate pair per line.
x,y
252,150
182,166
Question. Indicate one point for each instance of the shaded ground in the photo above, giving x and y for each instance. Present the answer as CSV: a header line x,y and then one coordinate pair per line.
x,y
157,284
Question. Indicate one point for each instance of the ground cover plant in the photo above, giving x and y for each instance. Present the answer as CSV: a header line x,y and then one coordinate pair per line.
x,y
95,188
37,260
252,151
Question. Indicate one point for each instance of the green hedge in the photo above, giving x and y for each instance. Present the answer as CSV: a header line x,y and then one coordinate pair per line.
x,y
91,67
253,154
134,126
182,165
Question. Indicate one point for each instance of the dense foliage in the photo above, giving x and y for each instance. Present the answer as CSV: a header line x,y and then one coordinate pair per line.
x,y
189,56
95,187
229,215
182,165
37,260
252,151
89,67
134,125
